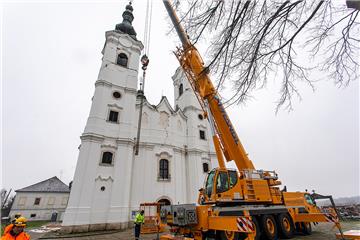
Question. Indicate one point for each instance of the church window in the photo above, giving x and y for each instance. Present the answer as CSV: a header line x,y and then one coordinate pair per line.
x,y
164,119
200,116
64,200
37,201
33,215
51,201
145,119
122,60
164,202
205,167
116,95
202,134
179,125
107,158
102,188
22,201
113,116
164,169
181,89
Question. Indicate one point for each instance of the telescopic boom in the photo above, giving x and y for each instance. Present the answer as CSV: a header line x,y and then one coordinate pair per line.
x,y
225,138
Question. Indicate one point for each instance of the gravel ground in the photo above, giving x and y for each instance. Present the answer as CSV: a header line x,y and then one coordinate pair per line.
x,y
322,231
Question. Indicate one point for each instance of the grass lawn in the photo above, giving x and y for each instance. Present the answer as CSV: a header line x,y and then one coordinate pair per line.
x,y
36,224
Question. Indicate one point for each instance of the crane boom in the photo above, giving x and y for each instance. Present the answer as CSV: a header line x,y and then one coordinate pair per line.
x,y
226,140
229,198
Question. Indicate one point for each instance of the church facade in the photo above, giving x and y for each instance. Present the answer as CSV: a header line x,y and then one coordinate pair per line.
x,y
175,149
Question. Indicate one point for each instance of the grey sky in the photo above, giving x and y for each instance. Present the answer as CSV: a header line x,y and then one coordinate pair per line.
x,y
51,55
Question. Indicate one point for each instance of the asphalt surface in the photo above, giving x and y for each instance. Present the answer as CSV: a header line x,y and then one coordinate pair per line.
x,y
323,231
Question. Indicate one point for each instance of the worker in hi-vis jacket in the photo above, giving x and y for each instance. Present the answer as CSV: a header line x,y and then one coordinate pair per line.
x,y
139,219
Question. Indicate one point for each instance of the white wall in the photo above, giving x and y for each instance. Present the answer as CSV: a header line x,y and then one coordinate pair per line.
x,y
89,204
131,180
49,203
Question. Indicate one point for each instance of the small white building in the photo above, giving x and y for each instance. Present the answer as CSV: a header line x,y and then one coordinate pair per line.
x,y
175,150
46,200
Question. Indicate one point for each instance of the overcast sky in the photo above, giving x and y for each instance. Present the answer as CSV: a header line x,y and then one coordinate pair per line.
x,y
50,58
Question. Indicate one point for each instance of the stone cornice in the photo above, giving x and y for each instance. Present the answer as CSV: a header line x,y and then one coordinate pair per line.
x,y
114,37
191,108
92,137
108,146
150,146
202,126
128,141
101,82
100,138
100,178
125,141
114,105
179,150
162,153
199,151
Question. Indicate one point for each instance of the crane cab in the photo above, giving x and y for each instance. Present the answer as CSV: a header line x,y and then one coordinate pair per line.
x,y
225,186
219,186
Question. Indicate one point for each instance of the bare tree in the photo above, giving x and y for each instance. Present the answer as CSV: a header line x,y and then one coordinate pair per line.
x,y
7,201
289,41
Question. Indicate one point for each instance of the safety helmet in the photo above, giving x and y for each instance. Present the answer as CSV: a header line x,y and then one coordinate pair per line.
x,y
20,222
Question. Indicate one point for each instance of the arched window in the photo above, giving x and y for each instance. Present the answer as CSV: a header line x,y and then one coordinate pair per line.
x,y
107,158
164,169
202,134
122,60
164,201
181,89
205,167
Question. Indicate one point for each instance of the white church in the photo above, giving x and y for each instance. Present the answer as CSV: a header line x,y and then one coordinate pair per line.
x,y
175,150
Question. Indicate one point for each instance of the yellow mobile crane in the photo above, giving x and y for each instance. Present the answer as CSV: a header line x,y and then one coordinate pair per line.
x,y
234,204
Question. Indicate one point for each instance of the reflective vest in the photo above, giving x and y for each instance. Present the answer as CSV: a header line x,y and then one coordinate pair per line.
x,y
8,228
21,236
139,219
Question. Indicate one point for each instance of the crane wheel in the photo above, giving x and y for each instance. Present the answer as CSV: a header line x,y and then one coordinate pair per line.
x,y
285,225
257,228
228,235
306,228
269,227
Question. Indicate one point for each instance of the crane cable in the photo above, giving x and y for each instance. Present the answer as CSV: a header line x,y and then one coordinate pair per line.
x,y
147,29
144,62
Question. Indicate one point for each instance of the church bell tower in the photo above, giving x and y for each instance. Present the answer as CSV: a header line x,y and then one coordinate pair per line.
x,y
100,194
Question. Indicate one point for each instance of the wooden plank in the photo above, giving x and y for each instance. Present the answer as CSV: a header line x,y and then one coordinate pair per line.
x,y
352,234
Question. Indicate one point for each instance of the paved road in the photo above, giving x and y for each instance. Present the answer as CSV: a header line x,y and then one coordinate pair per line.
x,y
320,232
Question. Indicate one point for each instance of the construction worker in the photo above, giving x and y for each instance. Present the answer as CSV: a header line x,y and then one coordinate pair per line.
x,y
10,226
139,219
17,231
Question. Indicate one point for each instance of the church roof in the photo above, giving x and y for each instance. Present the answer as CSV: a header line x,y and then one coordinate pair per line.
x,y
164,101
50,185
126,25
